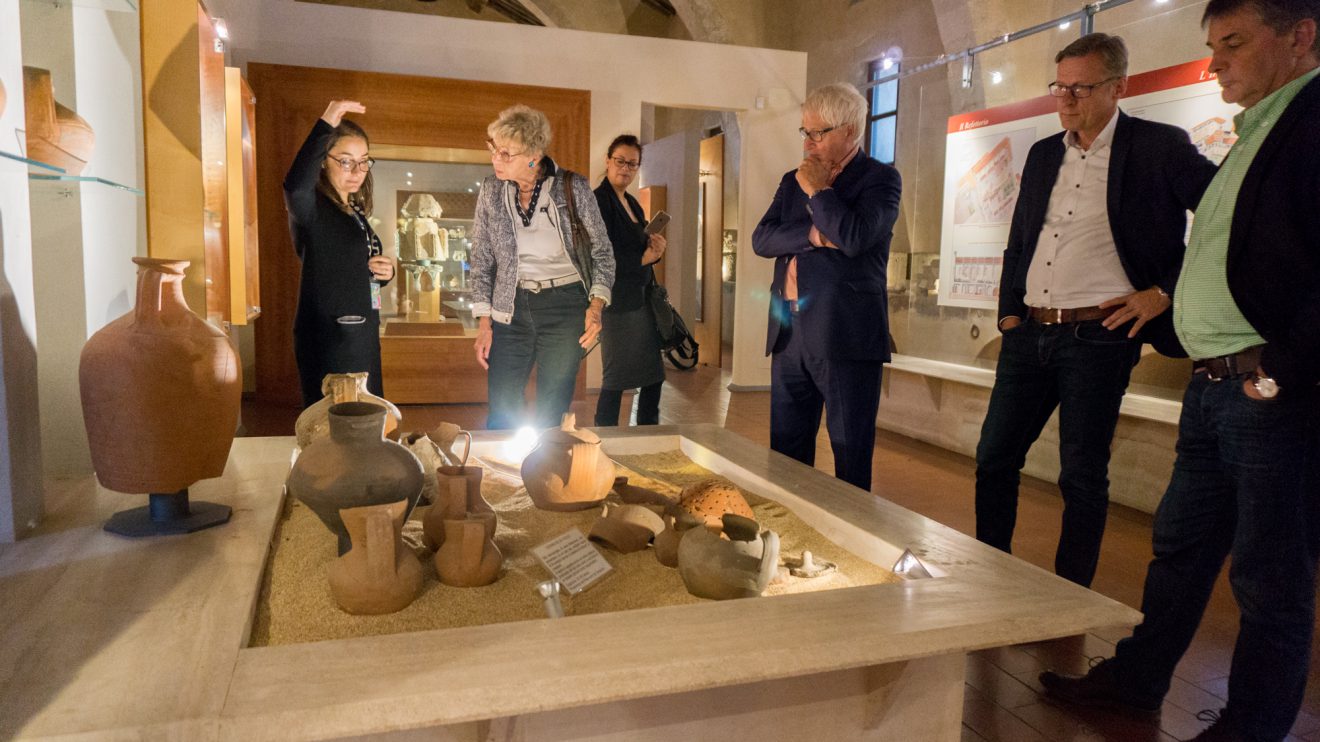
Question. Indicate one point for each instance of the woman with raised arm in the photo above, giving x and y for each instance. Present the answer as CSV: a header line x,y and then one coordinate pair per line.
x,y
328,195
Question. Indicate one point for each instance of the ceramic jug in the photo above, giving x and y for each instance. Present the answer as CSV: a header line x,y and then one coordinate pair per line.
x,y
626,528
354,467
666,542
720,569
567,470
55,134
314,422
458,495
468,557
378,574
160,390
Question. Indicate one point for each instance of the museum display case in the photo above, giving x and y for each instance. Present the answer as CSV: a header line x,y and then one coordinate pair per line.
x,y
98,649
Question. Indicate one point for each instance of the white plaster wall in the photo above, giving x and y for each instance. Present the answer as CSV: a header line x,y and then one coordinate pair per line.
x,y
84,235
20,430
673,163
622,73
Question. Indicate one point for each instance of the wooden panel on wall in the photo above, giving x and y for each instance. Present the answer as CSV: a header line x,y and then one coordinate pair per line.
x,y
655,199
215,177
401,110
240,151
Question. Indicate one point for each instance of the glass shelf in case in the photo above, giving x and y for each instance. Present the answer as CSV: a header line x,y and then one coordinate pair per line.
x,y
86,179
32,164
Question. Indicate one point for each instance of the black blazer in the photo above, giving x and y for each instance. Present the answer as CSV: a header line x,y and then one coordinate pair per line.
x,y
628,236
1155,177
841,292
1274,245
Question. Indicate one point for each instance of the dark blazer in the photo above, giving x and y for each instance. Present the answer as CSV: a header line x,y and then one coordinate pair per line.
x,y
1155,177
841,292
628,236
335,280
1274,245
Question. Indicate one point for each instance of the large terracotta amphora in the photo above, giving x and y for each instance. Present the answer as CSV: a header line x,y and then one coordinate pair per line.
x,y
160,396
314,422
378,575
355,467
468,558
567,470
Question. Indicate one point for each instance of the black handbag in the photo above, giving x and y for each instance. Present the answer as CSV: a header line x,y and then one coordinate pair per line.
x,y
578,232
676,342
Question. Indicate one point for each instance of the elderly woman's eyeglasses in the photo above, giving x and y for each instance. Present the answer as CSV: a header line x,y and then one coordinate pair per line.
x,y
816,135
1058,89
623,164
348,164
501,155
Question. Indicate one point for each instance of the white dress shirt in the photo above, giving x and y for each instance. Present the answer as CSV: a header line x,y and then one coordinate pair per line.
x,y
1076,263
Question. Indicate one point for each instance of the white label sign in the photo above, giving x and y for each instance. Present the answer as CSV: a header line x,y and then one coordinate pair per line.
x,y
572,560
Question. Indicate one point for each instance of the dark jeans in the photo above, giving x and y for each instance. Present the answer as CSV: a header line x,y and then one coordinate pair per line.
x,y
648,406
1082,369
544,333
849,391
1244,484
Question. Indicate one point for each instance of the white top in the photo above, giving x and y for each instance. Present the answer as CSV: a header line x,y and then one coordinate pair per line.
x,y
541,254
1076,263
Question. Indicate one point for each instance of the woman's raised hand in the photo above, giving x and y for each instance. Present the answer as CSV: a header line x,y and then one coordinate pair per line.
x,y
334,113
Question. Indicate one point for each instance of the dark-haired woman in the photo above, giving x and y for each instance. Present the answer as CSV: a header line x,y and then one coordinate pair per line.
x,y
630,344
328,195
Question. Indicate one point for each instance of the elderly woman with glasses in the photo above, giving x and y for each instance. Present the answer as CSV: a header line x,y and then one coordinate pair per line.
x,y
328,195
630,343
537,295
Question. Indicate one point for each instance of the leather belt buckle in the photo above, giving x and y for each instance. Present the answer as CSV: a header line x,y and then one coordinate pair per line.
x,y
1051,316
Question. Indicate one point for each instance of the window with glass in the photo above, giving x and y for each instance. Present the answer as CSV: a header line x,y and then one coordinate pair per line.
x,y
882,119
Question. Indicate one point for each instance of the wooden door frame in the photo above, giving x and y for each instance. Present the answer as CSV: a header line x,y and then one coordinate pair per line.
x,y
401,110
710,177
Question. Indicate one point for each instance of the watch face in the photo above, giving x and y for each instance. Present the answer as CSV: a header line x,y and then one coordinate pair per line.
x,y
1267,387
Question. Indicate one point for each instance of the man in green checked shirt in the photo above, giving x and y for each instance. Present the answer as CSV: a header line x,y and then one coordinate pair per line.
x,y
1247,477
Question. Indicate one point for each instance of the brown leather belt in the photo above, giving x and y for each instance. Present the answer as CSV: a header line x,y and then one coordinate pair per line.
x,y
1052,316
1237,364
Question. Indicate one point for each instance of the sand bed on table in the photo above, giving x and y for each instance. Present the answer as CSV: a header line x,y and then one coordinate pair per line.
x,y
295,604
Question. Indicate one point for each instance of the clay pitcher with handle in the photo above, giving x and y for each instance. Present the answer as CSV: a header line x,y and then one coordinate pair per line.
x,y
377,575
458,495
567,470
468,558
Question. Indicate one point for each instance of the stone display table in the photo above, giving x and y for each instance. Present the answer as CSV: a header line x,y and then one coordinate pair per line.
x,y
105,636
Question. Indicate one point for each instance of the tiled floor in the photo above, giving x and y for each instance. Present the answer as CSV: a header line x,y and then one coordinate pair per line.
x,y
1003,701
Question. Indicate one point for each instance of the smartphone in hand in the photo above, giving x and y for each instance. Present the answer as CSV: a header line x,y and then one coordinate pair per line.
x,y
657,223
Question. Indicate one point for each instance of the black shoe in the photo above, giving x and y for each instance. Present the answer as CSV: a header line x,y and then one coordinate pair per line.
x,y
1096,689
1221,729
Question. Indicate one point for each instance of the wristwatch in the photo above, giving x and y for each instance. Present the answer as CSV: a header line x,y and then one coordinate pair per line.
x,y
1265,386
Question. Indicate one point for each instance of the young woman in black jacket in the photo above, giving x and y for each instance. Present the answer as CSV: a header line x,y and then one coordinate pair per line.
x,y
629,341
328,195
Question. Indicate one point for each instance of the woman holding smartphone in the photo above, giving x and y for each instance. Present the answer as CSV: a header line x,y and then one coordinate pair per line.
x,y
630,343
328,195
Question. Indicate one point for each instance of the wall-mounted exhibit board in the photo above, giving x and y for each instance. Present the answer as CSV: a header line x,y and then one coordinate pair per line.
x,y
986,150
111,637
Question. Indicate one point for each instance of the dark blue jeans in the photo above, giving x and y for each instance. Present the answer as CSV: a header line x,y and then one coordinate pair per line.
x,y
543,334
1082,369
1244,484
849,391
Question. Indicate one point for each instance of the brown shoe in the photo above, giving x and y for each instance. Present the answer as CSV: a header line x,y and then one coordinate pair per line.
x,y
1096,689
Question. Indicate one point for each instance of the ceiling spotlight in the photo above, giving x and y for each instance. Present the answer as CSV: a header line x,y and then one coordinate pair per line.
x,y
996,77
408,174
221,28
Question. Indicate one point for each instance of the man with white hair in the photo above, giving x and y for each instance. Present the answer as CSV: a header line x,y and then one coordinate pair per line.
x,y
828,231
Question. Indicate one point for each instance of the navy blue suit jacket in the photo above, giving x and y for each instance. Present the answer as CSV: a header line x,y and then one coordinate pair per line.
x,y
1155,177
841,292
